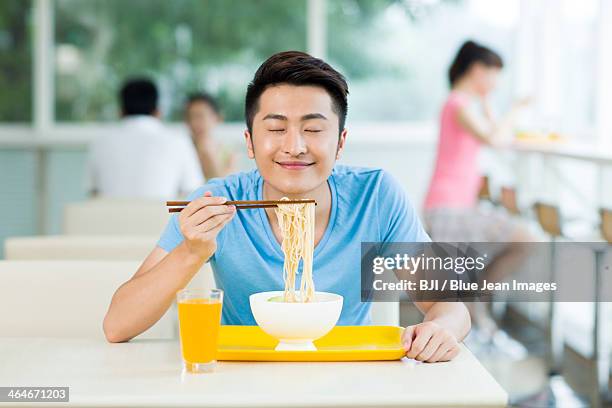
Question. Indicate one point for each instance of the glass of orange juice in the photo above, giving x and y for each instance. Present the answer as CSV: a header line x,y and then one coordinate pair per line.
x,y
199,312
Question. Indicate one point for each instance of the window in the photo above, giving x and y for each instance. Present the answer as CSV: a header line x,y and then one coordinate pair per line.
x,y
393,52
578,64
185,45
560,59
396,54
15,61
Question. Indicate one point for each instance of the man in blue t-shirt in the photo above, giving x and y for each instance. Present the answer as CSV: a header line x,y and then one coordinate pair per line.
x,y
295,112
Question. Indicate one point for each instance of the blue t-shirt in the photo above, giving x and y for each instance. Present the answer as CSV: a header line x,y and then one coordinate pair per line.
x,y
368,205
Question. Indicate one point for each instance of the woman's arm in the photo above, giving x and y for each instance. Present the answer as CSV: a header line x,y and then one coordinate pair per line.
x,y
212,162
437,339
208,154
487,130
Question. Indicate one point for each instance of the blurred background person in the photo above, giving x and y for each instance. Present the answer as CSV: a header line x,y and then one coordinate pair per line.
x,y
202,116
141,158
451,210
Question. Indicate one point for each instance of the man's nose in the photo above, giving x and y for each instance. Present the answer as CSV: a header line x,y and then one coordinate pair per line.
x,y
293,143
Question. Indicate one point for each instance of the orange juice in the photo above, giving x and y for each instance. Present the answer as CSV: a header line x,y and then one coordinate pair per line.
x,y
199,322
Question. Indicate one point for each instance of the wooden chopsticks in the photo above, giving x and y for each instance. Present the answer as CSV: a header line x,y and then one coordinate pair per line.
x,y
178,206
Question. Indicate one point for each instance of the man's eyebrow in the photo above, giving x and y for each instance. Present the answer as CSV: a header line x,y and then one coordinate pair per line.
x,y
314,116
275,116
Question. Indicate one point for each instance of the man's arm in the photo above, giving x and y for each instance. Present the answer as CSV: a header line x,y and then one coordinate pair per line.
x,y
142,301
444,326
453,316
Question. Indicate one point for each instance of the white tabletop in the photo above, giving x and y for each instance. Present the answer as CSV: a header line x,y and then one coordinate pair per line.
x,y
148,373
601,155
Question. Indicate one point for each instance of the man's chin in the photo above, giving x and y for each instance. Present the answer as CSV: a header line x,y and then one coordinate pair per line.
x,y
297,188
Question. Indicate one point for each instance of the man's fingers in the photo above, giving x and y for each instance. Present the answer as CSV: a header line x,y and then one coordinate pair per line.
x,y
208,212
212,233
452,353
429,342
420,341
440,353
407,337
214,221
430,348
201,202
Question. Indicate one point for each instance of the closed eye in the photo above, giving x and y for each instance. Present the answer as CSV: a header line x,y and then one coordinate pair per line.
x,y
277,130
313,130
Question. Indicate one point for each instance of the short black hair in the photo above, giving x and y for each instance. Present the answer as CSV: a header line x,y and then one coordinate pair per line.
x,y
205,98
296,68
138,96
469,53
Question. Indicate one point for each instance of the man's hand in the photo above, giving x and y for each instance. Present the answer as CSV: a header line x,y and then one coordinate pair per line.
x,y
430,342
201,221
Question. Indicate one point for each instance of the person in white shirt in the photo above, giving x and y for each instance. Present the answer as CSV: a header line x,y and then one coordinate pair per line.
x,y
141,158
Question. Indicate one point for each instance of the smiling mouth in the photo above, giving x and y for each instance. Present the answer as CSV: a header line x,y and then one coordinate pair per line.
x,y
294,165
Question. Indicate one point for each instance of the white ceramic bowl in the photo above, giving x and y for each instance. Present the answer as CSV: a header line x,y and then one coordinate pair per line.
x,y
296,325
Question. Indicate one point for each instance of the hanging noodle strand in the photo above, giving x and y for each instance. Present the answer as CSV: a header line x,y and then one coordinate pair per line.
x,y
296,222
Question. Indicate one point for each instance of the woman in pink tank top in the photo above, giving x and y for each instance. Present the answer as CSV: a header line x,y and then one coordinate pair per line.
x,y
451,206
451,211
456,179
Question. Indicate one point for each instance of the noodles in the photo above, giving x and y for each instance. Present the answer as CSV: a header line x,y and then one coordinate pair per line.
x,y
296,222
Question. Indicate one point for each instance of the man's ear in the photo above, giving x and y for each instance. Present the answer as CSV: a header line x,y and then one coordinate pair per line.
x,y
341,142
249,143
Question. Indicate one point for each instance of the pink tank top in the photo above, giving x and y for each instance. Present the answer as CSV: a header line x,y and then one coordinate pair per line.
x,y
456,178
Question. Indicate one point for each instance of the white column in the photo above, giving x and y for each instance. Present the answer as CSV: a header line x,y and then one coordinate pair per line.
x,y
525,64
527,71
317,28
548,61
43,66
603,102
524,53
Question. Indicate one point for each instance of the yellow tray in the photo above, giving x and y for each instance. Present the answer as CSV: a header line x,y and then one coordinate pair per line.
x,y
342,343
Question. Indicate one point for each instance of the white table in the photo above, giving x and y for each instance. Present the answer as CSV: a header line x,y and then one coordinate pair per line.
x,y
148,373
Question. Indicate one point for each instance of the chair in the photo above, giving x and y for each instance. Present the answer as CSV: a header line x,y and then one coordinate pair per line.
x,y
115,217
606,224
550,221
549,218
484,194
508,200
100,248
76,247
602,346
64,298
385,314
